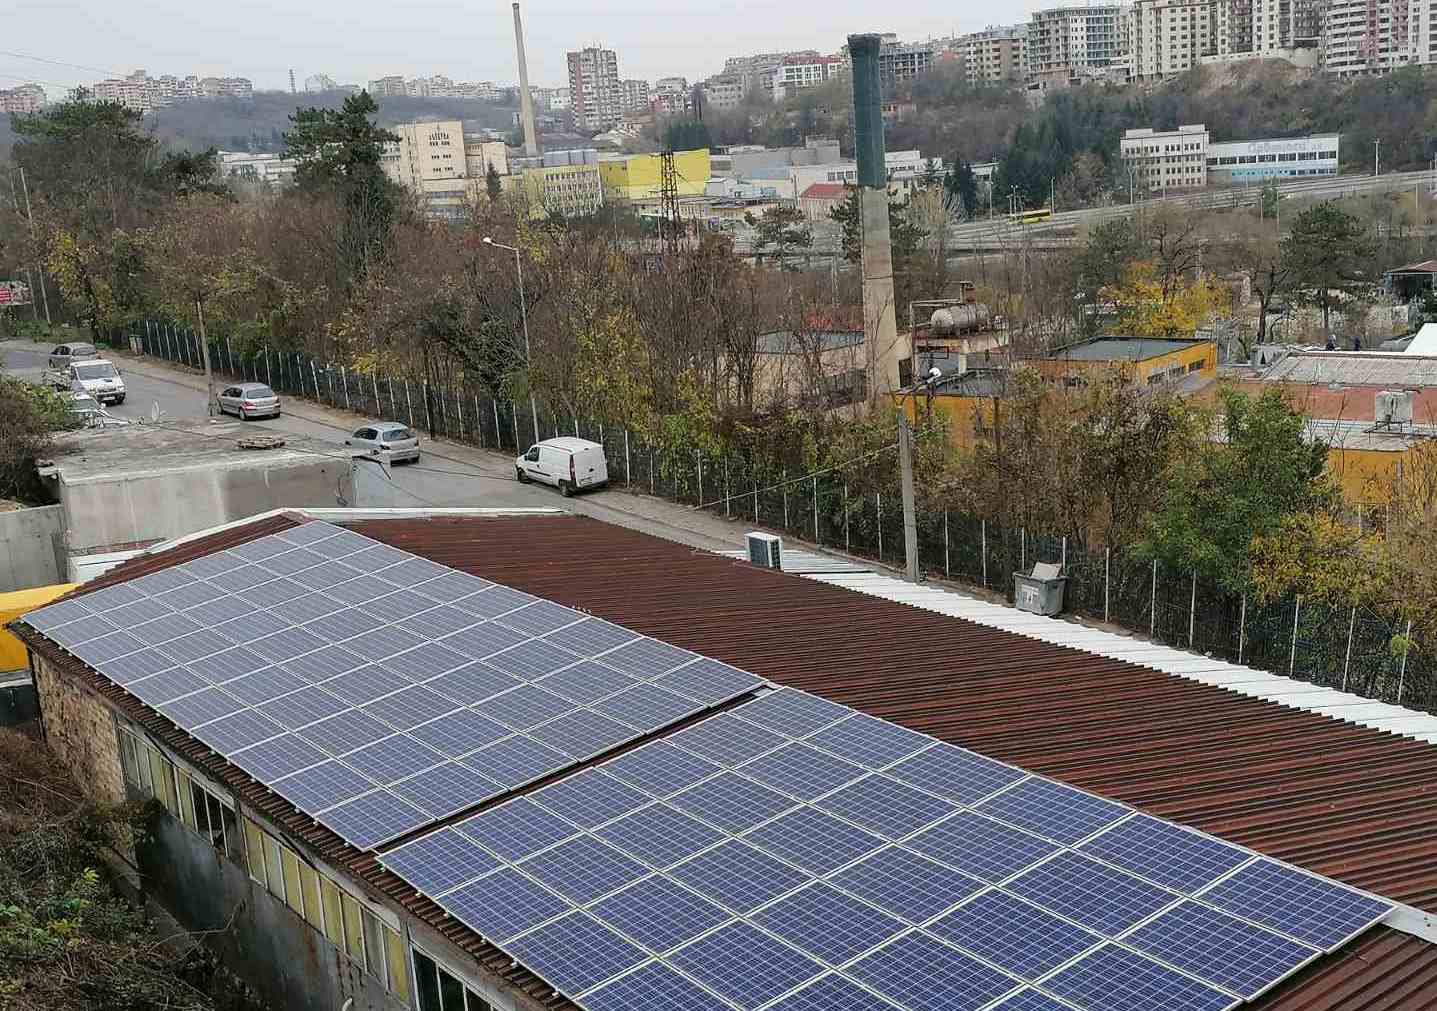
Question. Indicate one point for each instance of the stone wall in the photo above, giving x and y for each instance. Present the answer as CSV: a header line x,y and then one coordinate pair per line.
x,y
80,729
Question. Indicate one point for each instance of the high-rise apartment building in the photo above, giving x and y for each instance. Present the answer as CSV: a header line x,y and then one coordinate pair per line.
x,y
635,94
900,61
319,82
595,94
142,92
1067,44
798,72
1167,37
1376,36
995,55
26,99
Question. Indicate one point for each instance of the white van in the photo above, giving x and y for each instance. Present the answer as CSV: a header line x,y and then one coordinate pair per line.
x,y
569,464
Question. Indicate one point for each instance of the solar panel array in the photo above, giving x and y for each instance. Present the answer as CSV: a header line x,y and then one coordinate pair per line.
x,y
794,855
375,690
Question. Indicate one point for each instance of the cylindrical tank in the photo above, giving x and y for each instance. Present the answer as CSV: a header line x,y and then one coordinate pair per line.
x,y
960,318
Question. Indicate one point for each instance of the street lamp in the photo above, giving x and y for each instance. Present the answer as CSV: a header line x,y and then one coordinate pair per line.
x,y
524,317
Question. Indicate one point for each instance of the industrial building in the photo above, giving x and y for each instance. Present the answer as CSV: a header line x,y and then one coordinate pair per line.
x,y
1148,361
562,766
440,163
557,182
1283,158
1162,160
637,178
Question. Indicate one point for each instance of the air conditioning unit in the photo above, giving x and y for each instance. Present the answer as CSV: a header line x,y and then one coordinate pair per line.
x,y
1394,407
765,550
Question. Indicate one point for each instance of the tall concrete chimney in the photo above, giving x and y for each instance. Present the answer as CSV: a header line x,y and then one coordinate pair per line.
x,y
880,322
526,101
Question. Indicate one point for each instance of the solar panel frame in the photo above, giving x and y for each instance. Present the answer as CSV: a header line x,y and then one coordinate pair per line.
x,y
645,707
541,617
494,601
660,769
366,684
648,658
802,772
345,732
264,685
276,593
359,590
792,712
382,642
324,663
438,622
726,740
134,666
300,708
439,861
372,819
322,786
166,686
582,733
278,756
1114,979
137,611
886,806
653,987
917,970
459,733
285,644
745,965
869,741
590,637
659,835
1317,911
524,707
827,924
164,628
502,904
583,868
585,682
200,707
517,760
50,617
482,639
981,847
516,828
1101,898
531,659
731,802
113,645
576,952
232,733
409,707
1055,810
590,797
659,913
709,681
832,993
738,876
1165,853
1014,935
813,840
472,683
446,789
905,884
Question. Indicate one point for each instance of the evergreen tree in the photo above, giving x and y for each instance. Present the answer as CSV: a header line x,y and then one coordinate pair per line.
x,y
1330,253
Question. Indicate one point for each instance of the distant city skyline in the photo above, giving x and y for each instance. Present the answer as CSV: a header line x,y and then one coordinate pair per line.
x,y
355,42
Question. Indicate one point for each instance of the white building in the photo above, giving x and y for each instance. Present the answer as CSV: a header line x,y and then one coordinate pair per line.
x,y
1068,44
798,72
1163,38
28,98
1248,160
319,82
595,95
902,167
270,169
997,54
726,91
1376,36
635,94
1159,161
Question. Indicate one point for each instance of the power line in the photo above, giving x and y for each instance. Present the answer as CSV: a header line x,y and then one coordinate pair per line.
x,y
61,63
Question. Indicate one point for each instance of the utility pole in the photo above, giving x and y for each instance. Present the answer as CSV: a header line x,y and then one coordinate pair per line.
x,y
205,356
524,319
1377,157
30,217
910,515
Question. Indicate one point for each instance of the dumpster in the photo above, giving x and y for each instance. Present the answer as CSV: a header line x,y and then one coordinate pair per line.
x,y
1040,592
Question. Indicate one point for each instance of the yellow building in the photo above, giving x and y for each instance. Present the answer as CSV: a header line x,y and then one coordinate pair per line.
x,y
637,177
17,604
1152,361
966,403
557,189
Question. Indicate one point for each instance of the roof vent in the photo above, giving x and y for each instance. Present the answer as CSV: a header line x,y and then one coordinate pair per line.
x,y
1393,408
765,550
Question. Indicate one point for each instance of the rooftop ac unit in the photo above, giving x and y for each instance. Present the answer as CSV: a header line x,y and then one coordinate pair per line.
x,y
1394,407
765,550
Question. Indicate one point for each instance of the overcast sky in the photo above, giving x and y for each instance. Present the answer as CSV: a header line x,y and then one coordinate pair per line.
x,y
356,40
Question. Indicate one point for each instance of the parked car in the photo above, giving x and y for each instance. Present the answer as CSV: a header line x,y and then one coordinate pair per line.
x,y
95,376
63,355
249,400
389,439
569,464
90,414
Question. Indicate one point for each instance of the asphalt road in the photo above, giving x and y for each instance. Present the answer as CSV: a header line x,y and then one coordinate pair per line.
x,y
449,475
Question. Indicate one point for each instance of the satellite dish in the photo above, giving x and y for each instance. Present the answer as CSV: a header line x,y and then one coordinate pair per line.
x,y
155,413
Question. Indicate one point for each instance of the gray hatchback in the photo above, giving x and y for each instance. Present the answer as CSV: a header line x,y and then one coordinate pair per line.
x,y
249,400
389,439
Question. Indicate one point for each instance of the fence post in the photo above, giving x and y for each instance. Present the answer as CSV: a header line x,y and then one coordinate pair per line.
x,y
314,378
393,404
514,415
983,548
1241,628
1402,673
784,486
653,480
268,372
1192,611
1107,582
459,411
1022,549
816,538
847,537
498,428
727,500
1292,656
378,404
700,457
1065,551
628,466
409,404
344,378
479,425
1153,621
1347,663
878,495
576,426
947,567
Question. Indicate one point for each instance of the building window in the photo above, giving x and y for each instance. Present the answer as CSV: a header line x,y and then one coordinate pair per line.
x,y
440,990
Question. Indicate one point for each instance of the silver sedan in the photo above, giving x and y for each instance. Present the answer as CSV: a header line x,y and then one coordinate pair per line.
x,y
389,439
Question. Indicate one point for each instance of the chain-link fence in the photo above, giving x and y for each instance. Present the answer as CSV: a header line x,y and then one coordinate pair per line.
x,y
1357,650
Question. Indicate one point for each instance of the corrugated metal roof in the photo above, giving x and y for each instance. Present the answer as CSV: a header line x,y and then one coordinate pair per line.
x,y
1393,370
1344,800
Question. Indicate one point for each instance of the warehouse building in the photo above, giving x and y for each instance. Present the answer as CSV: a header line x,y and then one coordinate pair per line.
x,y
1284,158
454,762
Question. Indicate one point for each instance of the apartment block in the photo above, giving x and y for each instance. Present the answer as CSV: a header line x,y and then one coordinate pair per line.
x,y
635,94
725,91
595,93
995,55
1067,44
900,61
1376,36
1167,37
1162,160
28,98
799,72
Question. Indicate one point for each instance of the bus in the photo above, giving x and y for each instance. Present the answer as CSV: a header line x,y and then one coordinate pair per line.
x,y
1031,217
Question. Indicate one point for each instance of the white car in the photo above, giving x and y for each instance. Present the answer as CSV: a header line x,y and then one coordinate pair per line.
x,y
97,377
249,400
388,439
570,465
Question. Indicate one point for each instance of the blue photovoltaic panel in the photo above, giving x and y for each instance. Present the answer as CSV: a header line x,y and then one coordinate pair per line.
x,y
659,768
516,760
164,628
515,829
981,847
409,707
401,604
321,786
886,806
1219,948
446,789
827,924
1054,810
524,707
531,659
654,987
727,740
439,621
458,733
200,707
347,732
341,625
228,663
541,617
275,593
52,616
792,712
219,610
394,758
452,586
359,591
382,642
815,841
582,733
137,665
731,802
590,637
1087,892
259,687
744,964
1112,979
474,682
1320,912
135,612
906,884
167,685
575,952
502,904
495,601
659,913
427,661
364,684
112,597
276,757
659,836
709,681
869,741
232,733
801,771
738,876
585,682
311,605
253,626
290,562
1166,853
1029,1000
412,571
1014,935
918,971
647,658
590,798
832,993
282,645
645,707
321,664
583,868
439,861
372,819
301,708
113,644
483,639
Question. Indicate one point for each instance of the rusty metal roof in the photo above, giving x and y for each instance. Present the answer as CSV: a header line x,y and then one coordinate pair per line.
x,y
1345,801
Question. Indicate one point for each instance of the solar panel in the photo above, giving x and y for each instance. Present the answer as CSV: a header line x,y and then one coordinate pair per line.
x,y
981,847
309,607
382,642
1319,912
1220,949
744,965
290,562
231,733
660,768
659,913
459,732
919,971
590,798
647,658
502,904
801,771
409,707
474,682
524,707
230,663
659,836
52,616
212,565
439,861
308,532
164,628
906,884
345,732
325,574
832,993
364,684
886,806
275,593
166,685
1014,935
189,594
446,789
158,582
1087,892
709,681
494,601
322,664
516,828
308,705
575,952
438,622
1166,853
321,786
792,712
261,686
114,644
140,664
372,819
590,637
516,760
827,924
400,604
285,644
1054,810
585,682
393,758
541,617
278,756
200,707
408,570
360,589
1029,1000
483,639
452,586
738,876
582,733
583,868
817,842
1112,979
111,597
645,707
727,740
653,987
143,609
252,626
869,741
731,802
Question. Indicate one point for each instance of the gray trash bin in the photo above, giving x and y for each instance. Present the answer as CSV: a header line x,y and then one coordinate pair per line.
x,y
1042,591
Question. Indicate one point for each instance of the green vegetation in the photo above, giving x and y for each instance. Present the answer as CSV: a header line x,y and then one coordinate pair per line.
x,y
30,415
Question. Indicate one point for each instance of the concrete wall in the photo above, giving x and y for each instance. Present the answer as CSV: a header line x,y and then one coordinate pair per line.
x,y
29,547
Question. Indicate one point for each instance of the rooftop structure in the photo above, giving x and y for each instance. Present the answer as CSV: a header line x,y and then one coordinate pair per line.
x,y
605,887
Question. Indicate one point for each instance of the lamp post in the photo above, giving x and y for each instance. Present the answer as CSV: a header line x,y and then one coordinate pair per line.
x,y
524,317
